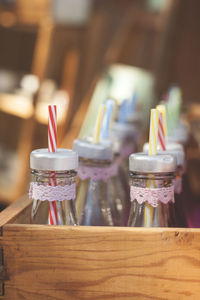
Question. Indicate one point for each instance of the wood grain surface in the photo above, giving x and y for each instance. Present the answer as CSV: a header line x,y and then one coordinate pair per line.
x,y
59,262
18,212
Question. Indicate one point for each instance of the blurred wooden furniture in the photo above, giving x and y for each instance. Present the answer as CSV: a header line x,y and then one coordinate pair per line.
x,y
22,110
30,24
61,262
111,34
131,35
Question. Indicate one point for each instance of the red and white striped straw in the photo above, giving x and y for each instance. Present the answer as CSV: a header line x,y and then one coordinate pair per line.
x,y
52,146
161,133
52,128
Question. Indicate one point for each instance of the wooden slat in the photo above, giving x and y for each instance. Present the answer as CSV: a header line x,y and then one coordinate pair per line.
x,y
31,12
69,76
98,58
61,262
42,48
78,118
17,212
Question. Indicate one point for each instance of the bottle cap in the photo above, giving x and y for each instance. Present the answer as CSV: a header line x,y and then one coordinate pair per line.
x,y
171,148
61,160
180,156
144,163
100,151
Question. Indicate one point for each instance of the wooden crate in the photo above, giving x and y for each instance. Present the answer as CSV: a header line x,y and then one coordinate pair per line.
x,y
61,262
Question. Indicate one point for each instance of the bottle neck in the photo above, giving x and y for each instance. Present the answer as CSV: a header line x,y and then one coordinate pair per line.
x,y
96,170
60,177
154,180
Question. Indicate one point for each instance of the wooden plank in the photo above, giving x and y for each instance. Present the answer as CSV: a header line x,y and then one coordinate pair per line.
x,y
42,48
102,50
17,212
68,84
77,121
61,262
31,12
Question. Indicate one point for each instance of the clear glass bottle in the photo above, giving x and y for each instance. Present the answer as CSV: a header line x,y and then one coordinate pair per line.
x,y
152,190
179,188
177,150
118,193
95,197
52,187
123,137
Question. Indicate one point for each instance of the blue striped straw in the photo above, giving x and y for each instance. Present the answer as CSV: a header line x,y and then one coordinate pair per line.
x,y
106,121
122,113
132,103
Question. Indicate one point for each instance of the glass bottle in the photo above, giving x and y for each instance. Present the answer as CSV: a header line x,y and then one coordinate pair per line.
x,y
52,187
178,187
95,197
152,190
178,151
124,140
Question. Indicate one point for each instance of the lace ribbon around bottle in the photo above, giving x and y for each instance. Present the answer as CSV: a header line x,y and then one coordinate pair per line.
x,y
85,172
45,192
152,195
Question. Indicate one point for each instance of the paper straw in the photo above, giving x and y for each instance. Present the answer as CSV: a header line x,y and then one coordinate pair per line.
x,y
115,112
161,134
153,137
132,105
52,147
162,109
148,215
122,113
98,125
52,128
107,119
153,132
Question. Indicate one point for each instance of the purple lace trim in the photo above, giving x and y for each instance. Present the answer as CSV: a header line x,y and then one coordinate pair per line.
x,y
152,195
52,193
85,172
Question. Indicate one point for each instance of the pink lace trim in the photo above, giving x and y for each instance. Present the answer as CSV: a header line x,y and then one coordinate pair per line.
x,y
85,172
52,193
177,185
152,195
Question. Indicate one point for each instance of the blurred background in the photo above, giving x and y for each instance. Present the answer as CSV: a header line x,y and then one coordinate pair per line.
x,y
77,53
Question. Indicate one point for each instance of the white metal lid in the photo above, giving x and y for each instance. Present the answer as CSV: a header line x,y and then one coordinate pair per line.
x,y
180,156
100,151
160,163
169,146
61,160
